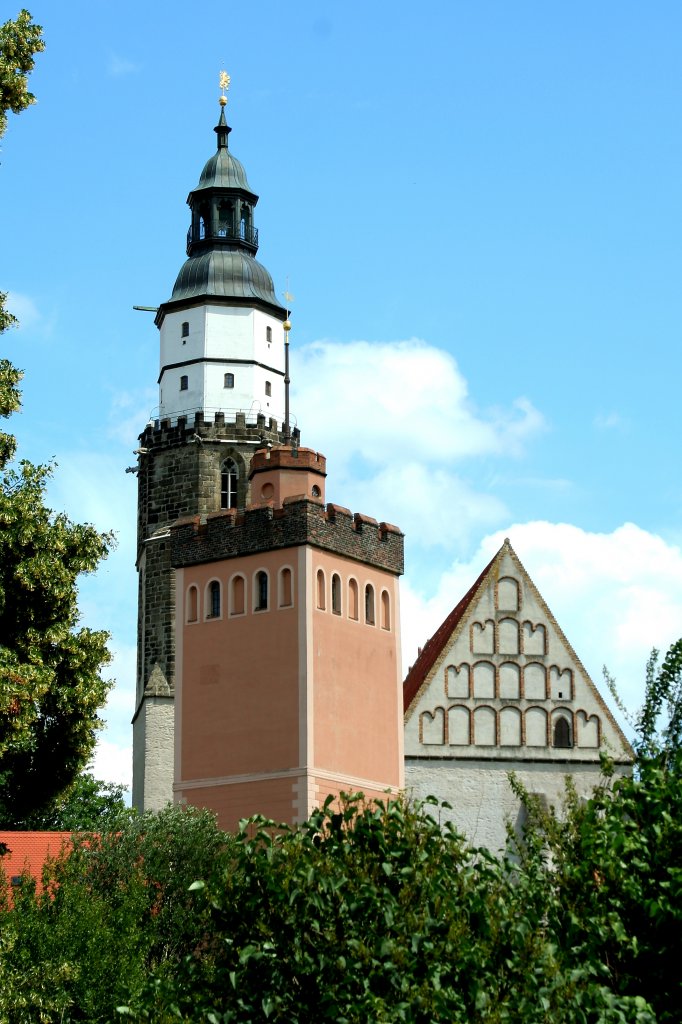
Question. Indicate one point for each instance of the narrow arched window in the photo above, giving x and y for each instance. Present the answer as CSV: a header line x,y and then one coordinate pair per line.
x,y
229,380
184,383
261,591
352,599
192,604
229,480
185,330
237,595
562,733
321,603
369,604
285,588
385,610
214,599
268,334
268,388
336,594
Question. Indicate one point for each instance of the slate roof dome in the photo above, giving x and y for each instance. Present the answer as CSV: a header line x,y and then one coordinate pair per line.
x,y
228,273
222,170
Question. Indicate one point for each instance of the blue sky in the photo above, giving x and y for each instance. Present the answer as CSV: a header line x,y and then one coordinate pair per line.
x,y
478,210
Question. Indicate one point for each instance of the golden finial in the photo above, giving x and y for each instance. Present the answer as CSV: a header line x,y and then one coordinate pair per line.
x,y
224,85
288,298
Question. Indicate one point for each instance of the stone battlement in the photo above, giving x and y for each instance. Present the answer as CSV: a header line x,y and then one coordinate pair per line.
x,y
288,458
301,520
162,433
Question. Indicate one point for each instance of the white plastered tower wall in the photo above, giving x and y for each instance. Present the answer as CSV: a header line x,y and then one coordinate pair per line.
x,y
219,340
499,689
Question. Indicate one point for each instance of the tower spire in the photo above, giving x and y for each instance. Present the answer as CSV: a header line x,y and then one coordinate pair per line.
x,y
222,129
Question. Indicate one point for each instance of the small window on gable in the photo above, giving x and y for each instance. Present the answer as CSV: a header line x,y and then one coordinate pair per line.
x,y
336,594
268,334
229,380
352,599
321,603
385,610
268,388
184,383
562,733
285,588
185,330
192,604
261,591
214,599
369,604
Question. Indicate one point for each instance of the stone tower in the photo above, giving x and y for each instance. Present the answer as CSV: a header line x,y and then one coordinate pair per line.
x,y
223,393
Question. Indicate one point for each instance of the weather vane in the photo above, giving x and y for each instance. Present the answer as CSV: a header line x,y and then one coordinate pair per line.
x,y
224,86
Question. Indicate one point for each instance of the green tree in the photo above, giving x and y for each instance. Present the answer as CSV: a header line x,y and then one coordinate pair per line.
x,y
20,40
112,909
50,682
87,805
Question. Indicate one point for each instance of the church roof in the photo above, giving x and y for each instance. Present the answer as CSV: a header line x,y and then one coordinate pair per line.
x,y
435,644
222,170
227,274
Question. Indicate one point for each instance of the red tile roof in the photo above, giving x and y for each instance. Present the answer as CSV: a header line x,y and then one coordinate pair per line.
x,y
433,647
28,851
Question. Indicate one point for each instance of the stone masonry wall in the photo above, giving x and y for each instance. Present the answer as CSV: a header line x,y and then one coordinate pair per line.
x,y
299,521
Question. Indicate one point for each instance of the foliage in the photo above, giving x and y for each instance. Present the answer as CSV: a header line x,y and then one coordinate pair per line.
x,y
20,40
87,805
112,910
658,723
50,682
380,913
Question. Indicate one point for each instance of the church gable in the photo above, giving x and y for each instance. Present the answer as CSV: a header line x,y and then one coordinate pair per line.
x,y
499,680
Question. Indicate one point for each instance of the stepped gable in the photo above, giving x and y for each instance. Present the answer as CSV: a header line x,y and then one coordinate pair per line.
x,y
422,675
300,520
434,645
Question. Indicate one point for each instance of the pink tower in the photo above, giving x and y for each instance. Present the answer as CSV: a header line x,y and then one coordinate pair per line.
x,y
288,679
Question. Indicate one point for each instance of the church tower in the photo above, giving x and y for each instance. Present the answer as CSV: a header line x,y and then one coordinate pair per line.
x,y
223,393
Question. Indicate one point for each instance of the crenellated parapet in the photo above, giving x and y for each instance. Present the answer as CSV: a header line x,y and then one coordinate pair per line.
x,y
216,427
300,520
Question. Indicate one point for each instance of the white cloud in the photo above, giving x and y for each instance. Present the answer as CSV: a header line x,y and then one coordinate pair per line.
x,y
30,317
129,412
404,398
119,66
113,762
608,421
615,595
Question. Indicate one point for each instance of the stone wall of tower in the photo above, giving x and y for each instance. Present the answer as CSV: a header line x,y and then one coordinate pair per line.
x,y
179,475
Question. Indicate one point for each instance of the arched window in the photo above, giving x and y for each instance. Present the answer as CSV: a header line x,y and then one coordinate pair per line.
x,y
229,380
385,610
268,334
192,604
237,595
268,388
184,383
185,329
369,604
562,733
261,591
286,598
352,599
214,599
336,594
229,479
321,602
